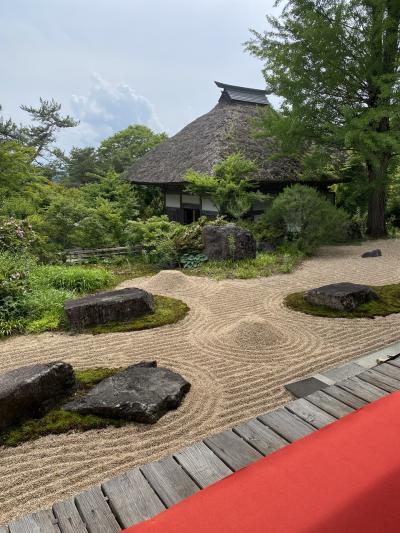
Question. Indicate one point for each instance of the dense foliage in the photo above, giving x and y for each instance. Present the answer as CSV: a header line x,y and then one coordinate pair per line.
x,y
335,63
32,296
230,187
302,216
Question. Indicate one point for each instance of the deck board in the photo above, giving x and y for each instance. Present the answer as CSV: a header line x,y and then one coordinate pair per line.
x,y
345,397
329,404
131,498
380,380
260,436
69,519
40,522
232,449
202,464
287,425
310,413
363,390
169,480
95,511
388,370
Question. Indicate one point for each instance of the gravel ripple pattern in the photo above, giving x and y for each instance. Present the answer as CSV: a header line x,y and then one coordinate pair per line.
x,y
238,346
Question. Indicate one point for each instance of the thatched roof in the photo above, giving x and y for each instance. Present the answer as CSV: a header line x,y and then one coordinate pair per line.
x,y
226,129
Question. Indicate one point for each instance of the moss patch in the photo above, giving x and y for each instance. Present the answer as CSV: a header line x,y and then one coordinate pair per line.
x,y
388,303
167,311
59,421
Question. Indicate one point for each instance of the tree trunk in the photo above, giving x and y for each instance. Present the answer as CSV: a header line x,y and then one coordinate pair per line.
x,y
376,224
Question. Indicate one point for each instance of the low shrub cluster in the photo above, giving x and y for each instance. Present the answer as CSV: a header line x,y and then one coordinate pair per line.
x,y
165,243
303,218
32,296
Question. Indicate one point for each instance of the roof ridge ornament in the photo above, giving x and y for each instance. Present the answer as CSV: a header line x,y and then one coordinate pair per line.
x,y
236,93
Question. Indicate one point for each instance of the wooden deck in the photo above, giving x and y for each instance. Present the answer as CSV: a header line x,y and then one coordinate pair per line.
x,y
147,490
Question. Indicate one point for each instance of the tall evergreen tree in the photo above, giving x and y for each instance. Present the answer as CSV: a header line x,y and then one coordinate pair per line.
x,y
336,64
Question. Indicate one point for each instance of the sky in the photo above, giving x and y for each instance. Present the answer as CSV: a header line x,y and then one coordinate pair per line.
x,y
111,63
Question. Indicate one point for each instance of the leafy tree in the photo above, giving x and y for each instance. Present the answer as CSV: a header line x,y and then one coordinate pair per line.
x,y
120,150
120,194
81,166
46,121
335,63
230,187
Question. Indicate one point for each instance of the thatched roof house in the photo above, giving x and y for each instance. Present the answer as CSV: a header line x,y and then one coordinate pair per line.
x,y
229,127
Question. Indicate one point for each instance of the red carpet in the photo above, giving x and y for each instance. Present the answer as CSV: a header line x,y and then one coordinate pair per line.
x,y
345,478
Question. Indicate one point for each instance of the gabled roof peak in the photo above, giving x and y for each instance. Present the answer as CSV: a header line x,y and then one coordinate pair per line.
x,y
243,94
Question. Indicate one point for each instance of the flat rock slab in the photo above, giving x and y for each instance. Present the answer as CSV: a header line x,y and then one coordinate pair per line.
x,y
372,253
228,242
33,389
341,296
140,393
112,306
306,386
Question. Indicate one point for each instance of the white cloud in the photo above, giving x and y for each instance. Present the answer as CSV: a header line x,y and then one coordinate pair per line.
x,y
106,109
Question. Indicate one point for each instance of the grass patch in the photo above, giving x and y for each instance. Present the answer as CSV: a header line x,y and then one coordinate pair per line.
x,y
58,421
388,303
263,265
167,311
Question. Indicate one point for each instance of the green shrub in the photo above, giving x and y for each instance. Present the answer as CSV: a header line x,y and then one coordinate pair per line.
x,y
16,235
154,238
71,278
32,296
192,260
304,217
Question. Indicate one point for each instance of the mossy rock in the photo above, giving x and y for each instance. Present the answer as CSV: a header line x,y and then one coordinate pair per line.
x,y
57,420
167,311
388,303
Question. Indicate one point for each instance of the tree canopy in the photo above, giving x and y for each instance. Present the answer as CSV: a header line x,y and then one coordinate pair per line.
x,y
335,63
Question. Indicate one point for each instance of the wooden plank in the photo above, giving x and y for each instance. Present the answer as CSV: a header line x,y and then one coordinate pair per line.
x,y
329,404
360,388
394,362
169,480
95,512
345,397
261,437
310,413
69,519
388,370
380,380
287,425
232,449
202,464
131,498
40,522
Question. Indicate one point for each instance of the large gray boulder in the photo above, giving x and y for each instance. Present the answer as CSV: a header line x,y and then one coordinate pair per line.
x,y
112,306
228,242
341,296
31,390
140,393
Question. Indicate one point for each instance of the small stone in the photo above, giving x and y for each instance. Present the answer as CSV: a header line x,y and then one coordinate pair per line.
x,y
341,296
112,306
32,390
373,253
228,242
140,393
